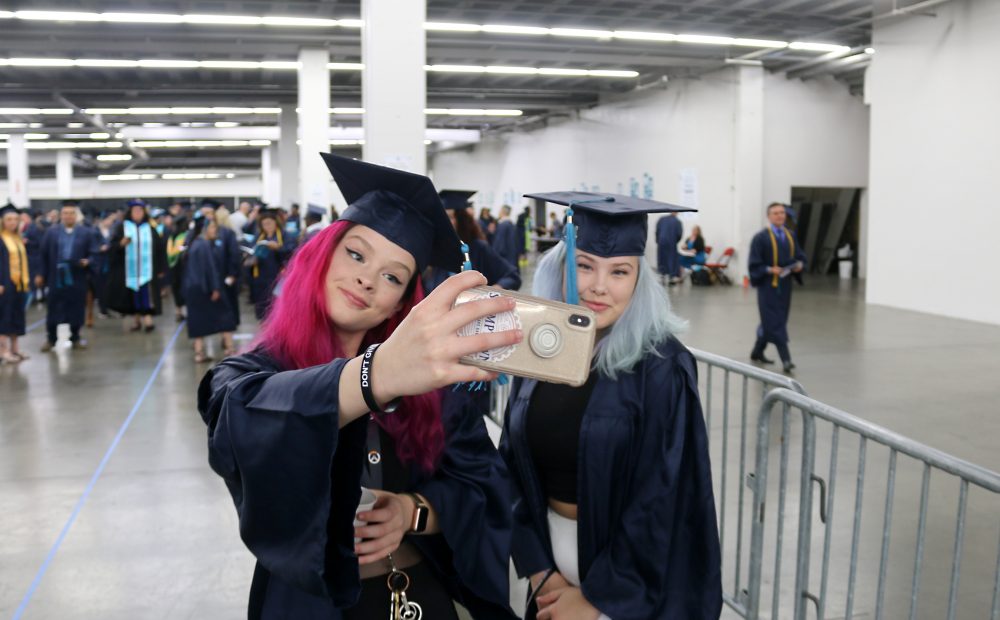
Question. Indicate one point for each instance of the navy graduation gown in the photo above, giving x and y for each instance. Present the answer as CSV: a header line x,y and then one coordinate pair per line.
x,y
118,296
33,236
669,231
505,241
268,269
204,273
12,313
485,260
295,479
67,279
232,262
773,302
647,534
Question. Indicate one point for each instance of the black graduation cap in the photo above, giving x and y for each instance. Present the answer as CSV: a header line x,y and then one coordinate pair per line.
x,y
267,212
315,211
401,206
70,203
456,198
208,202
609,224
136,202
8,208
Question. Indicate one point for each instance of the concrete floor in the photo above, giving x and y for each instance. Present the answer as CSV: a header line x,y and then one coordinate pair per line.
x,y
156,534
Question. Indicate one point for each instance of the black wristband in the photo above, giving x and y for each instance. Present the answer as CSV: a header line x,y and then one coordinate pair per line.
x,y
367,361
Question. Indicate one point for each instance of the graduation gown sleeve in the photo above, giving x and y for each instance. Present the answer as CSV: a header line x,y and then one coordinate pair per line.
x,y
529,546
469,492
760,259
663,559
294,476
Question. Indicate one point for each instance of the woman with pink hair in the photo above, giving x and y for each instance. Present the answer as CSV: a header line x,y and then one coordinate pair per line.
x,y
342,391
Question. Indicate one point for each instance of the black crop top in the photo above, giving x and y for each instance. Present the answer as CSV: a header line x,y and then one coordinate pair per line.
x,y
555,414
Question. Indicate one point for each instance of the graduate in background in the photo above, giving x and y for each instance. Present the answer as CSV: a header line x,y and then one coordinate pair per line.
x,y
776,258
208,311
15,283
484,259
505,241
232,256
137,261
269,256
103,228
175,246
613,512
67,250
299,424
314,223
669,231
33,231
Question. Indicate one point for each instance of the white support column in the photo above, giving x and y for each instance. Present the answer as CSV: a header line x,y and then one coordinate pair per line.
x,y
17,170
64,173
314,127
748,159
288,157
394,83
270,176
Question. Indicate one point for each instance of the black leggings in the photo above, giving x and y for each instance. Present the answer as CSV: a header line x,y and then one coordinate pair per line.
x,y
425,589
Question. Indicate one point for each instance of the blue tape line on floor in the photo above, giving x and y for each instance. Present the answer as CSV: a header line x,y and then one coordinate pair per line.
x,y
34,325
93,479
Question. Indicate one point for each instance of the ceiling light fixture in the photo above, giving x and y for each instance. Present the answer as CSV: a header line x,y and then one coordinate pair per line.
x,y
114,157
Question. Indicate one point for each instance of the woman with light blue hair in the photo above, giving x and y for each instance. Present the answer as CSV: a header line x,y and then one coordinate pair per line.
x,y
614,515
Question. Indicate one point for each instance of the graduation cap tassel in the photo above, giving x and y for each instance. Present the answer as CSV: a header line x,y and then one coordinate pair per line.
x,y
569,234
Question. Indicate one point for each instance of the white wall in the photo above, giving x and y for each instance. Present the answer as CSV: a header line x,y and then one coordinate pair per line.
x,y
690,125
934,218
84,188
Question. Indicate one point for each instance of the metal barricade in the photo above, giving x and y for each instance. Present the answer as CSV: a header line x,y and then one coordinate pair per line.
x,y
752,383
869,598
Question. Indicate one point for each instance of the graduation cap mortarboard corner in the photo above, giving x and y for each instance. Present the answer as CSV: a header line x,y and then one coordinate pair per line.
x,y
315,211
609,224
401,206
208,202
8,208
457,198
136,202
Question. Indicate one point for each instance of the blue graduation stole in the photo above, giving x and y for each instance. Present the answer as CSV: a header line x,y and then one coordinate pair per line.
x,y
138,255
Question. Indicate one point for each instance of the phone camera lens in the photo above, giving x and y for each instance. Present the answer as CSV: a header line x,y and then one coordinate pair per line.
x,y
579,320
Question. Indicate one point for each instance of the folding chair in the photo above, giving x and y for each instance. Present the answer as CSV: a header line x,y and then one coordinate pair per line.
x,y
718,267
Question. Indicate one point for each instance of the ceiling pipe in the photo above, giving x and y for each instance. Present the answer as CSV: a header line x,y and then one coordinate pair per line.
x,y
98,123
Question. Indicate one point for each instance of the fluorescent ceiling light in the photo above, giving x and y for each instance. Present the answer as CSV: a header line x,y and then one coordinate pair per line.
x,y
153,124
760,43
230,175
347,110
632,35
346,142
350,23
869,50
512,70
311,22
34,111
226,124
448,27
96,62
114,157
39,62
62,16
562,71
705,39
142,18
581,32
279,64
100,136
13,125
223,20
36,136
502,29
156,63
109,111
817,47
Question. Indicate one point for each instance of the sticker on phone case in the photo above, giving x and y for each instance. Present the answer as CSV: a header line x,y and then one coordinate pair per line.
x,y
492,324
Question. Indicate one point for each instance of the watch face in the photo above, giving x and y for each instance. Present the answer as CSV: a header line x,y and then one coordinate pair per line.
x,y
420,519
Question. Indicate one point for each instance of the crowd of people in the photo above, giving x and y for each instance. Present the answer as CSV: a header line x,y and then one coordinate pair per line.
x,y
127,261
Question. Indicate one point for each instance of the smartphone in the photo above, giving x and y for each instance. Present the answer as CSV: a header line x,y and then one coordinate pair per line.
x,y
558,338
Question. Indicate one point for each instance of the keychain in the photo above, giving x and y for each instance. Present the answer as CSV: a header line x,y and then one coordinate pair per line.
x,y
399,607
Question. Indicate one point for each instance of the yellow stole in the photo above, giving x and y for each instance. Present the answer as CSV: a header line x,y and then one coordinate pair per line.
x,y
256,269
18,258
774,250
